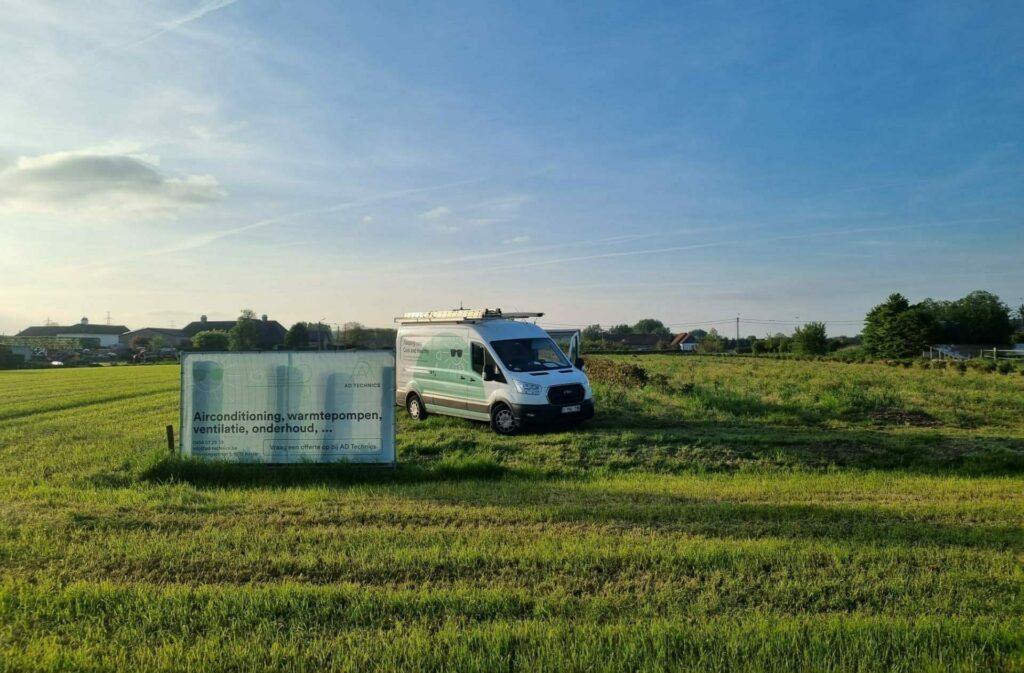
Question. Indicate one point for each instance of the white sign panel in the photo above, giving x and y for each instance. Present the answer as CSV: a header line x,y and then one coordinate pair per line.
x,y
319,407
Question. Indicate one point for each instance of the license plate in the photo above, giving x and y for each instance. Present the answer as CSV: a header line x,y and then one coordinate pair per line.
x,y
571,409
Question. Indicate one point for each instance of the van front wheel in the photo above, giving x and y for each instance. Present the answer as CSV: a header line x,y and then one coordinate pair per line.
x,y
414,405
503,421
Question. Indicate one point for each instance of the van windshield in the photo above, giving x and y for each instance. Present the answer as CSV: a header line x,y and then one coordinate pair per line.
x,y
529,355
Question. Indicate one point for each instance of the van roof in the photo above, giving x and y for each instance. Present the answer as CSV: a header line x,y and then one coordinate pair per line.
x,y
489,330
462,315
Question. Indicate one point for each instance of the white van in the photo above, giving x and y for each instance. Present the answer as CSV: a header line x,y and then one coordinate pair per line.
x,y
488,366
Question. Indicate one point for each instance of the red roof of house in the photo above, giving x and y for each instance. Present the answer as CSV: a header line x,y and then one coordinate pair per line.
x,y
682,337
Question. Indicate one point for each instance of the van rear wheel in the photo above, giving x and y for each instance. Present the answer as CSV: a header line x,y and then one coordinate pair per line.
x,y
414,405
503,421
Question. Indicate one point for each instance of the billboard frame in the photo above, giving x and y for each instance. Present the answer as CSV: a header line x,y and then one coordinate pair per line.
x,y
388,403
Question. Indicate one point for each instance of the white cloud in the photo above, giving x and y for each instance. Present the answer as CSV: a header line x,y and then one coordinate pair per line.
x,y
517,240
436,213
367,219
101,185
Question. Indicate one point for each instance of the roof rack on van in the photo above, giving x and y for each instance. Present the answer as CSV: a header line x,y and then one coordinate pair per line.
x,y
462,315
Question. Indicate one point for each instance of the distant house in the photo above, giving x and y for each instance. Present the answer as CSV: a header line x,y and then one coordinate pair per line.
x,y
640,342
685,342
171,338
271,332
320,337
108,335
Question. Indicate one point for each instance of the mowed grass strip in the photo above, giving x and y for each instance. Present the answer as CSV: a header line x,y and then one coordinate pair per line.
x,y
34,392
688,527
296,627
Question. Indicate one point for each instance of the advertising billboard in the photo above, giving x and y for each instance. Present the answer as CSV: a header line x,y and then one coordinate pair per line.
x,y
289,407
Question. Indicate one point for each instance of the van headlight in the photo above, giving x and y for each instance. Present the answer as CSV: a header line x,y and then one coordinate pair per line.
x,y
528,388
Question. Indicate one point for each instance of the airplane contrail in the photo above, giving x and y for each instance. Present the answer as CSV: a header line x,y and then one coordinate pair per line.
x,y
714,244
203,240
199,12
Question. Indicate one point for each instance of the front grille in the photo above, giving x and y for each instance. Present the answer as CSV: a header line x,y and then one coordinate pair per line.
x,y
568,394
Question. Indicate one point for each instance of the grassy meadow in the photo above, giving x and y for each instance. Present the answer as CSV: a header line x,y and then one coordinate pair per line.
x,y
732,515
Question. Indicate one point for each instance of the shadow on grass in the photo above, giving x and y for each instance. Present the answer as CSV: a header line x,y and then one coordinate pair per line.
x,y
800,521
561,503
726,445
172,469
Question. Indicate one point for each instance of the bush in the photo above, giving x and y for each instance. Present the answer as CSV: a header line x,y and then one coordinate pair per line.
x,y
987,366
9,360
211,340
621,374
1005,367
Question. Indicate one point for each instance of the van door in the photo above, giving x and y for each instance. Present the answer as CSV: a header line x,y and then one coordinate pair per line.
x,y
479,392
450,368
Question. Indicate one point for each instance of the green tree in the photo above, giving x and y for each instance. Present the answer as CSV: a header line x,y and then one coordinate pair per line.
x,y
353,335
978,318
777,343
895,329
245,335
620,330
711,343
650,326
297,336
984,319
810,339
211,340
592,333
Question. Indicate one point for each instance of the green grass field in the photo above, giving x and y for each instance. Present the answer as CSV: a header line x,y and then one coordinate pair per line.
x,y
743,515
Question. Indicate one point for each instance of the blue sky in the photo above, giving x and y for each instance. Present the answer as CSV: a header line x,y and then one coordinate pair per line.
x,y
600,162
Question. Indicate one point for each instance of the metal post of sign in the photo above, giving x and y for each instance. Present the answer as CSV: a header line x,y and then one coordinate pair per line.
x,y
181,401
394,421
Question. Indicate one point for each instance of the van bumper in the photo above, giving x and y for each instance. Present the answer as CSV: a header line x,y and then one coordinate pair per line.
x,y
538,414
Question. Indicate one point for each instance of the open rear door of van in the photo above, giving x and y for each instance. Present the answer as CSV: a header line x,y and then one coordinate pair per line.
x,y
569,340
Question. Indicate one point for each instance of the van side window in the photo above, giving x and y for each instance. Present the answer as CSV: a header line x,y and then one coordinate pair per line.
x,y
489,360
478,358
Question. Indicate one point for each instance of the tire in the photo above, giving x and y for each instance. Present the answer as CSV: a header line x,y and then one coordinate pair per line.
x,y
414,405
503,421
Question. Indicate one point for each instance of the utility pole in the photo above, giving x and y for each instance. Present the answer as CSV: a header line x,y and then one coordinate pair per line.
x,y
108,317
737,330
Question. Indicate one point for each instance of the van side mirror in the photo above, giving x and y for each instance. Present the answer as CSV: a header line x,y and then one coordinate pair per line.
x,y
579,363
489,374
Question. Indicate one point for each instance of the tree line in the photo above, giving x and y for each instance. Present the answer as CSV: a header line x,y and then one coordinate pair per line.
x,y
893,329
898,329
245,336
